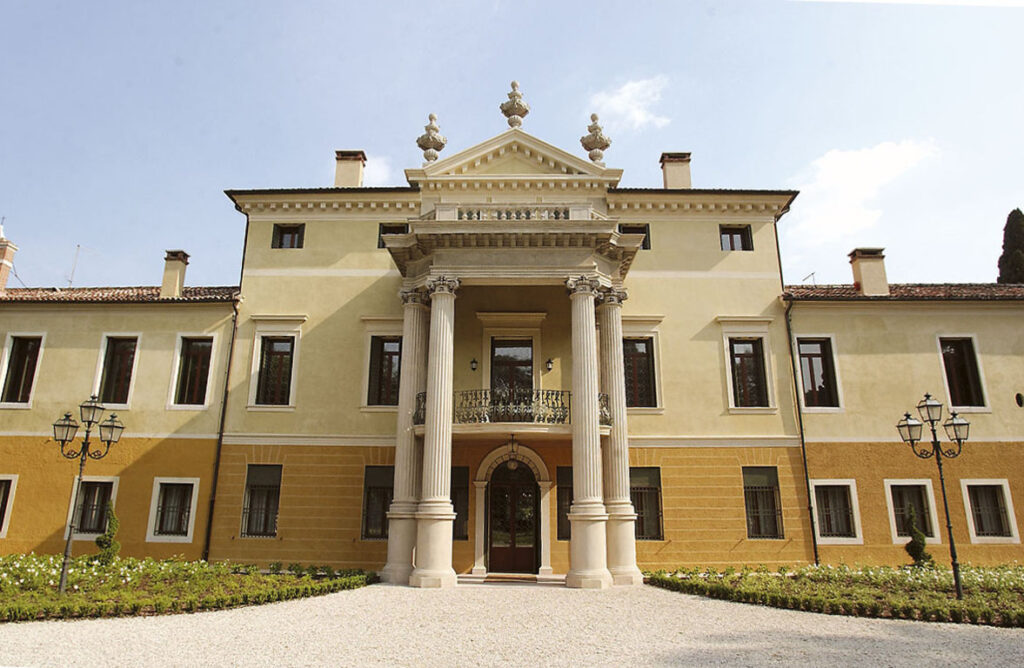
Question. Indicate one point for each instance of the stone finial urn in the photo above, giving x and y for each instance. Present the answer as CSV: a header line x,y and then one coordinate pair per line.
x,y
432,140
515,108
596,142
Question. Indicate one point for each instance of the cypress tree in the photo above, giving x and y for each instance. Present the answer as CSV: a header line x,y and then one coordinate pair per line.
x,y
1011,262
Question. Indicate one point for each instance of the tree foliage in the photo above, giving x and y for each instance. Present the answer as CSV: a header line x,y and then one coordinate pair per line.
x,y
916,547
1011,262
107,541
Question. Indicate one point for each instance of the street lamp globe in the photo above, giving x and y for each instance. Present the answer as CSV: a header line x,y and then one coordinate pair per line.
x,y
957,428
91,410
64,429
929,409
110,430
909,428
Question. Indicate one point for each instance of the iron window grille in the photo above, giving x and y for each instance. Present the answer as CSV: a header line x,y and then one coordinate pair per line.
x,y
173,510
817,373
91,510
117,370
835,511
378,492
262,500
288,236
958,357
761,498
273,387
988,509
910,500
193,371
21,369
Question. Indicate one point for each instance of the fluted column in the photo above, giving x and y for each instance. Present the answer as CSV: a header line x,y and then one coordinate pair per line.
x,y
434,517
412,381
587,550
621,515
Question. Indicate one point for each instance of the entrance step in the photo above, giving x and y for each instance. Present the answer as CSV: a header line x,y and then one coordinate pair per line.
x,y
511,579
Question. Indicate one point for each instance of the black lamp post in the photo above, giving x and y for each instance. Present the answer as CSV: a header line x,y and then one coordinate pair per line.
x,y
64,429
957,430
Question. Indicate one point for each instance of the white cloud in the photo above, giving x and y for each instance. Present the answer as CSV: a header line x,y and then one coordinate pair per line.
x,y
946,3
377,171
839,189
630,105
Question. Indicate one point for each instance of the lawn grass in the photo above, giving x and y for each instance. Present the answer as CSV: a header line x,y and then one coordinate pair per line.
x,y
28,586
993,595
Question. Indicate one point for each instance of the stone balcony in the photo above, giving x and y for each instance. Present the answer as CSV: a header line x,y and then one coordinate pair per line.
x,y
537,407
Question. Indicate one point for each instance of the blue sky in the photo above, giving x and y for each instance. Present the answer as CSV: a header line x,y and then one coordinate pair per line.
x,y
122,123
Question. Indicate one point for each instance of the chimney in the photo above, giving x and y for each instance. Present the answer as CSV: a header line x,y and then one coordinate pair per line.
x,y
174,274
7,250
675,167
869,272
348,171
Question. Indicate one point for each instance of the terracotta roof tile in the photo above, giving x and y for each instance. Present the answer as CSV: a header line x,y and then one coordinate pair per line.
x,y
910,292
125,295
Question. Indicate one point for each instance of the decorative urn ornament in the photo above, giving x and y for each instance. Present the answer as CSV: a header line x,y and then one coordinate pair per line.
x,y
432,140
596,142
515,108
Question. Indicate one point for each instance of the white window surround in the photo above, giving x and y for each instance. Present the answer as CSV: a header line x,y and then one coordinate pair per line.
x,y
175,371
933,514
13,477
984,408
835,370
851,484
274,325
101,359
74,502
511,325
5,359
1011,517
646,327
151,535
375,326
748,327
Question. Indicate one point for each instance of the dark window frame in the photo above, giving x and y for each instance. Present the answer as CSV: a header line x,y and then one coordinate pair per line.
x,y
91,506
173,520
20,368
638,228
647,503
390,228
635,391
384,374
274,386
962,372
749,391
262,502
377,500
288,236
193,370
830,519
6,485
735,238
563,502
460,502
980,507
826,396
118,369
762,504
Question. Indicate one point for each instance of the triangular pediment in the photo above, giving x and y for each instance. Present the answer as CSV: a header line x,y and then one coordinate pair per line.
x,y
511,154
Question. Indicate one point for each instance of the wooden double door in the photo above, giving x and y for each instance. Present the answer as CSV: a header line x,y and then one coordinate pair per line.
x,y
514,508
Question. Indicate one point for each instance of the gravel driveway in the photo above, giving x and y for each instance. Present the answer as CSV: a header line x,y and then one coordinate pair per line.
x,y
505,624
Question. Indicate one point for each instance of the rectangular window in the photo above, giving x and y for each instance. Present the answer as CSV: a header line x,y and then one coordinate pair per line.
x,y
262,497
385,368
390,228
460,499
761,497
749,388
564,491
644,229
173,509
988,511
835,511
91,506
118,362
21,369
638,359
193,371
817,373
5,497
288,236
911,501
378,490
736,237
645,493
962,375
273,387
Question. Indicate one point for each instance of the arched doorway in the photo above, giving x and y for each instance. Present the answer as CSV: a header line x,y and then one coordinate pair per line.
x,y
514,519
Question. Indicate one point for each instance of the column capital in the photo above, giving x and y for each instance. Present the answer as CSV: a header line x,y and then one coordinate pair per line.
x,y
413,297
583,285
612,297
442,285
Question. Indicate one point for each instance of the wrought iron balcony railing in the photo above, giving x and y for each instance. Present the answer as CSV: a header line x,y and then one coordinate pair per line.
x,y
536,406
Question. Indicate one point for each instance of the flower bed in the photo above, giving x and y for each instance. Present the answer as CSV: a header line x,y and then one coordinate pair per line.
x,y
28,586
991,595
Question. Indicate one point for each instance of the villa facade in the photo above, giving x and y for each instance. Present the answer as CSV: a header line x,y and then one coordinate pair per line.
x,y
513,365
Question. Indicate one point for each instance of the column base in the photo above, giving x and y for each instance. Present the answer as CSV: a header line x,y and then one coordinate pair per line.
x,y
401,543
433,579
587,548
622,544
433,568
